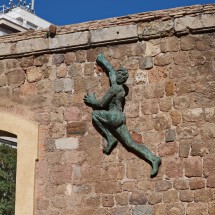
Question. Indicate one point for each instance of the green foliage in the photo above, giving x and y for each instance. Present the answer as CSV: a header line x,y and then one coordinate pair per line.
x,y
7,180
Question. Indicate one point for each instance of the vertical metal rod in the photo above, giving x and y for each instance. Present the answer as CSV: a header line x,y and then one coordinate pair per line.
x,y
32,5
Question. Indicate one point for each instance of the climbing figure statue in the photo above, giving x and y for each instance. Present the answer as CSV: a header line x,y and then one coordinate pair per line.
x,y
109,118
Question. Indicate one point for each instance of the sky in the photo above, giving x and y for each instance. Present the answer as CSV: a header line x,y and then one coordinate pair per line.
x,y
66,12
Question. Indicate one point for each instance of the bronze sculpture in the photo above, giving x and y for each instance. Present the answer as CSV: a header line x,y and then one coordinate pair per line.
x,y
109,118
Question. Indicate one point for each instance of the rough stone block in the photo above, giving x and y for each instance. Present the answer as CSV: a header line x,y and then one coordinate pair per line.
x,y
185,86
63,85
152,50
175,208
70,58
162,121
186,195
132,166
146,62
153,137
80,56
170,45
113,33
193,115
187,43
60,99
203,195
181,102
122,198
76,128
197,208
72,114
170,135
176,117
89,69
187,131
31,45
61,71
162,185
67,143
125,210
181,58
149,106
2,80
208,130
34,74
142,210
183,71
203,22
154,198
138,49
141,76
70,40
197,183
41,60
28,89
27,62
157,74
184,148
174,169
211,208
181,184
129,186
138,198
160,209
193,167
211,181
210,114
108,187
11,64
57,59
153,91
155,29
5,48
163,59
170,88
108,201
208,163
167,149
170,196
112,172
16,78
60,174
132,109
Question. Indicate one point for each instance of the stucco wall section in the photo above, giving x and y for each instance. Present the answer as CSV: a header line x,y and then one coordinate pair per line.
x,y
27,154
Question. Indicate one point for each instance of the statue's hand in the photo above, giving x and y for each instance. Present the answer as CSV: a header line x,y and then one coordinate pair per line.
x,y
90,99
100,59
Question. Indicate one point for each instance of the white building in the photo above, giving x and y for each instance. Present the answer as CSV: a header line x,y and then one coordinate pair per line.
x,y
18,18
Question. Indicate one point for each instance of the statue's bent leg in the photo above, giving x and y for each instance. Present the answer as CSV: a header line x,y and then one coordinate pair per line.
x,y
111,140
123,134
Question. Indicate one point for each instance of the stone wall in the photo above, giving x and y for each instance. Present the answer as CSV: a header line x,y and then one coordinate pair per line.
x,y
170,108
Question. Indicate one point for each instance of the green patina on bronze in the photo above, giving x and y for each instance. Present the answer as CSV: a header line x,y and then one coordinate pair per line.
x,y
108,116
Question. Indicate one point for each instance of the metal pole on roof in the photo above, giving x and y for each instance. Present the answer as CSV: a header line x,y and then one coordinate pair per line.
x,y
32,5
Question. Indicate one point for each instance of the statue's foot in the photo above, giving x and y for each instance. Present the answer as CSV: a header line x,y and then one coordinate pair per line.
x,y
155,166
109,147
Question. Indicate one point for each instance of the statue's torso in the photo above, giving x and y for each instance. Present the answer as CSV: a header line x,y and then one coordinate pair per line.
x,y
116,102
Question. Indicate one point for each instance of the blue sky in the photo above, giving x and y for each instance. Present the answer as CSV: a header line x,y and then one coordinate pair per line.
x,y
75,11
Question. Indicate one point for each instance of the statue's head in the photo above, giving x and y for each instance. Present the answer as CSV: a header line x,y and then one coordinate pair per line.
x,y
122,76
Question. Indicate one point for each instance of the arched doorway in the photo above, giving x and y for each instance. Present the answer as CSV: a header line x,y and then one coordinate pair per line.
x,y
8,158
27,149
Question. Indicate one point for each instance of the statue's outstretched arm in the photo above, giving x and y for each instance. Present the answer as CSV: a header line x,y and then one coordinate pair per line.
x,y
92,101
110,71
